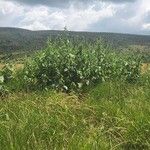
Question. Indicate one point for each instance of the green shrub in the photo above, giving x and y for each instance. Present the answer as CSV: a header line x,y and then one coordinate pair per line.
x,y
6,75
2,88
7,72
69,67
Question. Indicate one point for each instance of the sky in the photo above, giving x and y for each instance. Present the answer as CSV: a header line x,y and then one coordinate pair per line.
x,y
121,16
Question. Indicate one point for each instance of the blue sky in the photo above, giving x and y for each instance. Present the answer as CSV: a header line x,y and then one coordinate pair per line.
x,y
123,16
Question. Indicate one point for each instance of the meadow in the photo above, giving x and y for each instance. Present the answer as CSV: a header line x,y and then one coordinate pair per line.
x,y
76,95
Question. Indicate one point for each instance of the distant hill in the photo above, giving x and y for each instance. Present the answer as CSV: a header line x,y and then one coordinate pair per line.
x,y
14,39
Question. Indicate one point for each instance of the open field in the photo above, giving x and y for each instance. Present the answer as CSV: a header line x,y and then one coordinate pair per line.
x,y
68,97
111,116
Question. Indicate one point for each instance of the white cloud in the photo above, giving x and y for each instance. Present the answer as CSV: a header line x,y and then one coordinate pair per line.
x,y
80,20
9,13
73,18
96,16
10,8
146,26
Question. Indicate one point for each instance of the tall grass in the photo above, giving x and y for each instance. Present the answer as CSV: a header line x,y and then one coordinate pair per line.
x,y
112,112
103,119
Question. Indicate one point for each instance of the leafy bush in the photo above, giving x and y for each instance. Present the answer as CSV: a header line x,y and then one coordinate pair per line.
x,y
7,72
131,69
6,75
3,89
66,66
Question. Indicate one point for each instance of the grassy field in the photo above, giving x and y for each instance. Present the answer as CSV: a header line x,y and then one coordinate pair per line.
x,y
68,97
110,116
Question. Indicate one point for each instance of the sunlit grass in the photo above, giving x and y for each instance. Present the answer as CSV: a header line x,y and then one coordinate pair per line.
x,y
103,119
145,67
106,107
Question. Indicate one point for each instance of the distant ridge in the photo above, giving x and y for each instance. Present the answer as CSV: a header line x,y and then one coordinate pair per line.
x,y
12,39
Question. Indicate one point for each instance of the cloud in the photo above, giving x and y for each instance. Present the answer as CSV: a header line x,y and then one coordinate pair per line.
x,y
121,1
65,3
10,13
108,15
146,26
74,18
52,3
127,19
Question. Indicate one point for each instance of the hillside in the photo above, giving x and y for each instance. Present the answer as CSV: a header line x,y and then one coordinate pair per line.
x,y
13,39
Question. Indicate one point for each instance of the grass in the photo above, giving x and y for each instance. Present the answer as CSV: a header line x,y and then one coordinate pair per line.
x,y
145,67
16,66
110,116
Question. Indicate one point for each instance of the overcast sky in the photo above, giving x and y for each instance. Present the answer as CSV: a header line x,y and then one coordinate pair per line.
x,y
124,16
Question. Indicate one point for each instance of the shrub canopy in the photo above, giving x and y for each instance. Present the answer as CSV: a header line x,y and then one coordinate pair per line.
x,y
70,66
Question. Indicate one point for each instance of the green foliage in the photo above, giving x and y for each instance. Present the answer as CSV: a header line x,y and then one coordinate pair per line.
x,y
7,72
131,69
67,66
3,89
6,75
